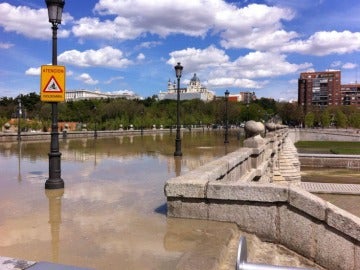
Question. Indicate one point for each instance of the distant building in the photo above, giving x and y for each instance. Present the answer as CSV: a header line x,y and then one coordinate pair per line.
x,y
324,89
194,90
319,89
350,94
245,97
74,95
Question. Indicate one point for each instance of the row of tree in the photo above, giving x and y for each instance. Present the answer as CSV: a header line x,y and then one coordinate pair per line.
x,y
111,113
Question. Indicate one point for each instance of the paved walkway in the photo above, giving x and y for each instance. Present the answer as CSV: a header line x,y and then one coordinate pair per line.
x,y
331,188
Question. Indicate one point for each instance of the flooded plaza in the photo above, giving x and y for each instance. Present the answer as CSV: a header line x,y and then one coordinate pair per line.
x,y
112,211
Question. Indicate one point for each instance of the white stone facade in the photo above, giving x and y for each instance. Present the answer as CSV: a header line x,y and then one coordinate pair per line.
x,y
75,95
194,90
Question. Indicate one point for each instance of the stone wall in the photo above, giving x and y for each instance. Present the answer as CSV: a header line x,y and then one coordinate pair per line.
x,y
330,161
36,136
249,187
327,134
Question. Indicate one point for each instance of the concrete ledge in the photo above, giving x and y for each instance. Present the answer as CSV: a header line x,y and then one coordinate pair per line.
x,y
191,185
343,221
247,192
307,202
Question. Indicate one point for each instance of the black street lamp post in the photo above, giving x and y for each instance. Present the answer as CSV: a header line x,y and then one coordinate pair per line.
x,y
95,130
226,117
142,122
55,8
178,71
247,106
19,119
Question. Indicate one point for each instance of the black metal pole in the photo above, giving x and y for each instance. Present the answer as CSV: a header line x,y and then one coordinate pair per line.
x,y
95,120
54,181
226,140
95,132
178,139
19,121
142,123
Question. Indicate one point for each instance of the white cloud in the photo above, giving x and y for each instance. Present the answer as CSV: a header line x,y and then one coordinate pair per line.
x,y
197,59
335,64
216,64
120,28
86,78
349,66
235,82
149,44
140,56
109,81
254,26
104,57
37,23
325,43
158,17
121,92
33,71
4,45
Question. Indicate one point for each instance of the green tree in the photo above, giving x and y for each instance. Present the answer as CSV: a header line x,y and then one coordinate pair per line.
x,y
309,119
354,120
340,119
325,118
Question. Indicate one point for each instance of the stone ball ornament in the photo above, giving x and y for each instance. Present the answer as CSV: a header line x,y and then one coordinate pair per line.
x,y
253,128
270,126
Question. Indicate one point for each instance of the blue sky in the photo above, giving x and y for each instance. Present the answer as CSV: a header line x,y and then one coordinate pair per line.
x,y
133,45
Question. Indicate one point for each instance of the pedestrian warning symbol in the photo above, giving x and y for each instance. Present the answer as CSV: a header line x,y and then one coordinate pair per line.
x,y
52,83
52,86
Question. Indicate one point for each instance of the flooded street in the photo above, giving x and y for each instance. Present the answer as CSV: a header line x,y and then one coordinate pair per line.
x,y
112,210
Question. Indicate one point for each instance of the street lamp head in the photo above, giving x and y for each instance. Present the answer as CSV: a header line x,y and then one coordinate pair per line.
x,y
178,70
227,93
55,8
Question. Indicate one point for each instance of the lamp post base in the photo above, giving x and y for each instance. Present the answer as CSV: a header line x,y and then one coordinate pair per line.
x,y
54,184
178,152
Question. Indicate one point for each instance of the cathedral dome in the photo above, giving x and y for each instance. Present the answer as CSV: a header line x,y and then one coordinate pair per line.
x,y
195,78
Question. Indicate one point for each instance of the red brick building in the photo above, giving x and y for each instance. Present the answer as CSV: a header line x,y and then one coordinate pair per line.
x,y
350,94
319,89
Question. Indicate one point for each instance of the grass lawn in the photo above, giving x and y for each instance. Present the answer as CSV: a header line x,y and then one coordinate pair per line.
x,y
328,147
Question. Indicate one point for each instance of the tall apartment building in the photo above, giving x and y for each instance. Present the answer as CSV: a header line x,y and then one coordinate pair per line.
x,y
350,94
319,89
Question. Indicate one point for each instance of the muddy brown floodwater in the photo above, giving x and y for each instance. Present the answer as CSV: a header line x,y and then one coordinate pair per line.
x,y
349,203
112,212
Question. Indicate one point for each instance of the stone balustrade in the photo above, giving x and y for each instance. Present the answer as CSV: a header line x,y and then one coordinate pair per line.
x,y
257,187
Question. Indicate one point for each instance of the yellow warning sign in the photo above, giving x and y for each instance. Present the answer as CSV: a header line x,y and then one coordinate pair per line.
x,y
52,86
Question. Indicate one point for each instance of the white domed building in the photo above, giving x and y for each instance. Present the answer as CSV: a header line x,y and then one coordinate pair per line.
x,y
194,90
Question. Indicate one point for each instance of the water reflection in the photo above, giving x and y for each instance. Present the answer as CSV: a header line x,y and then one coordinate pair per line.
x,y
177,161
54,197
19,161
